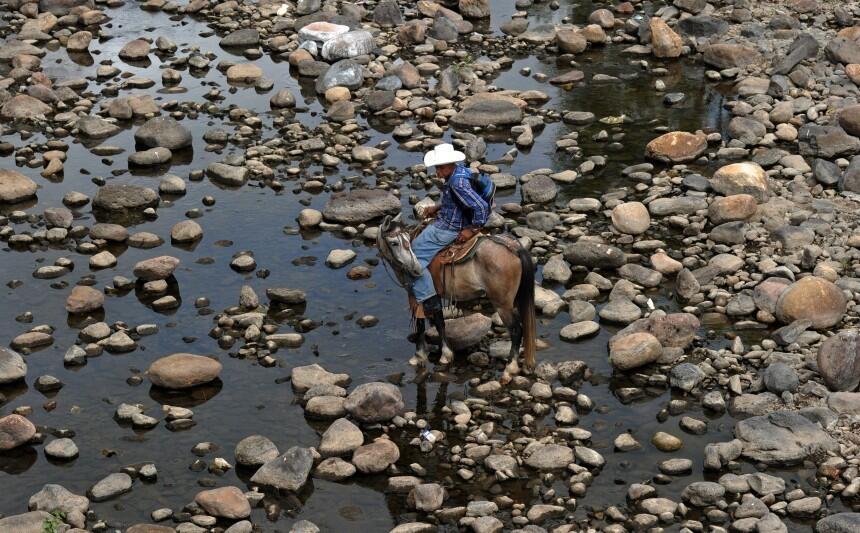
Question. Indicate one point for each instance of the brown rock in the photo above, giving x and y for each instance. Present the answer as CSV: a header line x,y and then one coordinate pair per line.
x,y
839,361
134,50
375,457
15,187
161,267
84,300
183,370
224,502
664,41
244,73
742,178
849,119
634,350
15,430
812,298
724,56
677,147
570,41
732,208
853,72
24,106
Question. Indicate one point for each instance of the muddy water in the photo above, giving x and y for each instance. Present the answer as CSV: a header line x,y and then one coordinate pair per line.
x,y
251,399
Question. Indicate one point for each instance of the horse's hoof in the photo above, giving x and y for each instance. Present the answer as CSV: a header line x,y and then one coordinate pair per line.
x,y
505,379
447,357
417,360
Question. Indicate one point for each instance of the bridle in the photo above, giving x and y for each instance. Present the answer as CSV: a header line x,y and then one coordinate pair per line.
x,y
388,257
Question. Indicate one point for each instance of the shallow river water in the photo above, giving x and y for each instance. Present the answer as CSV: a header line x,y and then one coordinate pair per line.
x,y
252,399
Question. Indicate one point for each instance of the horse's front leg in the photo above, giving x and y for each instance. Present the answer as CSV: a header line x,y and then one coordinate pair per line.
x,y
420,357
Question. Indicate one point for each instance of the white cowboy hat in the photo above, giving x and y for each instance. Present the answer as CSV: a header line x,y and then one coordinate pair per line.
x,y
443,154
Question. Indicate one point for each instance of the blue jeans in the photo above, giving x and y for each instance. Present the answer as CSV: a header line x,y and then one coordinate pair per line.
x,y
425,247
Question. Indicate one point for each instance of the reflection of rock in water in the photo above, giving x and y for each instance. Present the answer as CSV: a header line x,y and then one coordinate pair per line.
x,y
147,297
187,398
11,391
19,460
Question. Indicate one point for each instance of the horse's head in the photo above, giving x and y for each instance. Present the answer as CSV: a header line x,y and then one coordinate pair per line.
x,y
396,247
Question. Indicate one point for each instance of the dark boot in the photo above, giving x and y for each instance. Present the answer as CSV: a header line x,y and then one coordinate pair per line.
x,y
433,310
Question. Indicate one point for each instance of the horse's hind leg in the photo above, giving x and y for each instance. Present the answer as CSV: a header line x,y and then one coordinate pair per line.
x,y
420,357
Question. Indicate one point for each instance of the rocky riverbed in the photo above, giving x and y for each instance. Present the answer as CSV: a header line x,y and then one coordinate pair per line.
x,y
196,333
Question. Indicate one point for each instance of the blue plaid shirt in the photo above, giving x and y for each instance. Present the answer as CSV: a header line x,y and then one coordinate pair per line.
x,y
461,206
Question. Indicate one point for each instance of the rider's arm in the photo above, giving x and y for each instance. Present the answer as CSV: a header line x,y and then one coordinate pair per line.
x,y
468,198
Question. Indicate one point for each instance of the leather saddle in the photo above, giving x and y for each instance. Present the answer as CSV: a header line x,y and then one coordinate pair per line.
x,y
453,254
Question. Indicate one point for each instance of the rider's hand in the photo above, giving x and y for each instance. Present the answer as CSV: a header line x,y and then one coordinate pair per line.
x,y
466,234
431,211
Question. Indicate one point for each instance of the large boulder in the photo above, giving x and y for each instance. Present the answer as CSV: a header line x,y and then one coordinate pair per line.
x,y
467,331
812,298
183,370
96,127
839,523
476,9
23,106
702,26
161,267
289,471
843,50
305,377
664,41
348,45
782,438
375,457
723,56
15,430
84,299
732,208
60,8
32,522
548,456
677,147
12,366
594,255
826,141
245,37
482,110
676,330
839,361
360,205
166,132
631,218
634,350
805,46
57,498
255,450
539,189
374,402
387,13
345,73
15,187
341,438
116,197
742,178
224,502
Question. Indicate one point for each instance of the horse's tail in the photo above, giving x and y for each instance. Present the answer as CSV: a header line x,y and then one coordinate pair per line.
x,y
525,301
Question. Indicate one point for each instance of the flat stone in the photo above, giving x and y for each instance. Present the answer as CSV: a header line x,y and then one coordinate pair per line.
x,y
183,370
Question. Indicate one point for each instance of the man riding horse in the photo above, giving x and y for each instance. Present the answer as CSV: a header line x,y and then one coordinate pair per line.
x,y
495,268
460,214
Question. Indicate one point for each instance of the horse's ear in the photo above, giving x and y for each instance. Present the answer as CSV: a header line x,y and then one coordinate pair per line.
x,y
386,222
396,219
